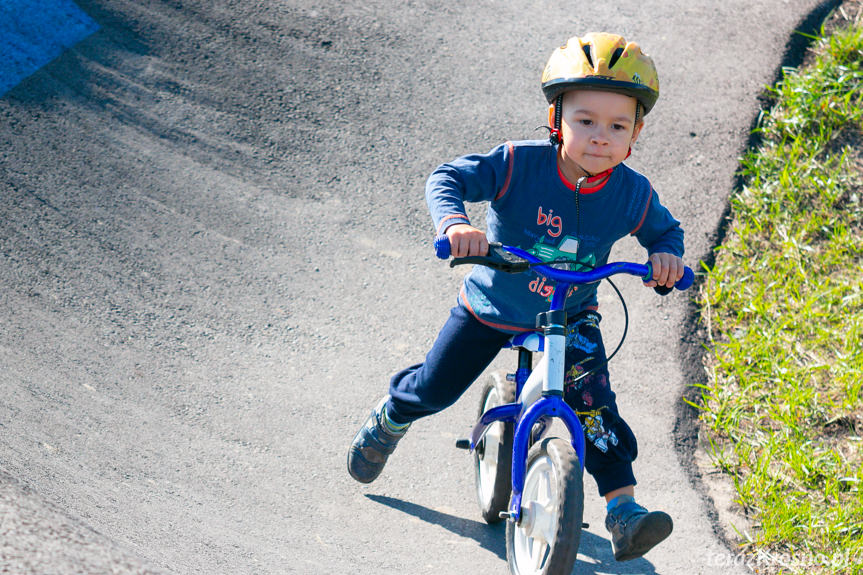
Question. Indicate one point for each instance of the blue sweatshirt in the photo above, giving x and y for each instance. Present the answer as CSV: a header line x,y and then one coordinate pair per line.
x,y
533,207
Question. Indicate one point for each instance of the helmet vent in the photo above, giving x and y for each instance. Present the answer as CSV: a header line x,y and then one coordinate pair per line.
x,y
586,49
615,57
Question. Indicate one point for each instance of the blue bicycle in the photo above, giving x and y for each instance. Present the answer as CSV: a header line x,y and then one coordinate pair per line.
x,y
534,481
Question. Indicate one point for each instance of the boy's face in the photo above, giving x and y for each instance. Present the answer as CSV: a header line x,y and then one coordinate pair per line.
x,y
597,129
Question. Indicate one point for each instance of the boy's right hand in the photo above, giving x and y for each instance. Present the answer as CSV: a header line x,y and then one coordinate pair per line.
x,y
465,240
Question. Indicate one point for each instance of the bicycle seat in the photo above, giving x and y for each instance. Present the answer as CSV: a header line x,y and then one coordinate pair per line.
x,y
530,341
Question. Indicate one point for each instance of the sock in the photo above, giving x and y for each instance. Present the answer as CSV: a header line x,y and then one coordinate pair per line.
x,y
392,425
619,500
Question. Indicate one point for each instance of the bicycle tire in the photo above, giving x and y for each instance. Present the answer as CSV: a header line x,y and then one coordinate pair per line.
x,y
552,508
493,455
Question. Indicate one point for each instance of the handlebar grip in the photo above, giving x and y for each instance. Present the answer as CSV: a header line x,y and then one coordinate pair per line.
x,y
684,283
687,280
442,248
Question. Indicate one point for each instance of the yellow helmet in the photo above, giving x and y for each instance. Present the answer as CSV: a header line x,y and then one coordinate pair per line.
x,y
600,61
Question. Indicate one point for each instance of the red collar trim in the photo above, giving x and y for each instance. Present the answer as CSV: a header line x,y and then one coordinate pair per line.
x,y
587,188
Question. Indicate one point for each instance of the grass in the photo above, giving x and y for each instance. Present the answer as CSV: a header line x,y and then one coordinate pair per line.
x,y
782,409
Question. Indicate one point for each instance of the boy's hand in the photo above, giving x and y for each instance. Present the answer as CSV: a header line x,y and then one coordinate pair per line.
x,y
465,240
667,270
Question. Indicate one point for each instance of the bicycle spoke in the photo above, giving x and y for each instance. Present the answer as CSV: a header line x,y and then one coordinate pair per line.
x,y
539,551
544,491
492,439
544,523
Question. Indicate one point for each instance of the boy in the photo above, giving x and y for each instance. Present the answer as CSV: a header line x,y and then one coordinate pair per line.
x,y
570,194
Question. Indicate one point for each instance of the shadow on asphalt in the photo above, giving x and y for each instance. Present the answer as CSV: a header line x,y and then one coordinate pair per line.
x,y
595,557
489,537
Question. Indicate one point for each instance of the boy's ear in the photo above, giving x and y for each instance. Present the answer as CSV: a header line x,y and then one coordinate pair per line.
x,y
637,130
551,115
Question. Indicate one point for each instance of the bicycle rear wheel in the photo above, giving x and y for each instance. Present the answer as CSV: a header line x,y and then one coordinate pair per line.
x,y
545,541
493,454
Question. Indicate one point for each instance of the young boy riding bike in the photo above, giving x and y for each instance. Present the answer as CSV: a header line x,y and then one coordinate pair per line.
x,y
570,194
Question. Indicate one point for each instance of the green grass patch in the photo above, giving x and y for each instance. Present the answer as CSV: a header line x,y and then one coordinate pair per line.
x,y
782,410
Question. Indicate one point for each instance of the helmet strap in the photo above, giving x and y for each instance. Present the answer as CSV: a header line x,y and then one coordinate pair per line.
x,y
554,134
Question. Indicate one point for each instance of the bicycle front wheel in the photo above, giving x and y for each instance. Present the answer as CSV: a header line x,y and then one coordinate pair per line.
x,y
545,540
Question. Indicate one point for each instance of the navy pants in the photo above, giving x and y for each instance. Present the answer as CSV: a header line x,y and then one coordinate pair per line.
x,y
465,347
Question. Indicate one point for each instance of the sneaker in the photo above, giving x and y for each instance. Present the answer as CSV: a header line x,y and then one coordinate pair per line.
x,y
634,530
372,446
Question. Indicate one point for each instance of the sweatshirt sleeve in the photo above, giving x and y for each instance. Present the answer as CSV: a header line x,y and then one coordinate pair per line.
x,y
658,231
472,178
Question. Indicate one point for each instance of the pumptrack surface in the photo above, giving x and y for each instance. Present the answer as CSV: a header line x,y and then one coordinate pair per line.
x,y
215,252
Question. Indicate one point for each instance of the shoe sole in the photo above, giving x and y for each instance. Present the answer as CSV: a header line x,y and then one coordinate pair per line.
x,y
653,531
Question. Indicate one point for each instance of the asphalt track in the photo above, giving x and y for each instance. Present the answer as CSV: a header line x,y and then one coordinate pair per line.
x,y
215,251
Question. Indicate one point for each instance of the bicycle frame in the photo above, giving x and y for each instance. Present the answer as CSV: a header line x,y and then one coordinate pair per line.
x,y
547,381
540,392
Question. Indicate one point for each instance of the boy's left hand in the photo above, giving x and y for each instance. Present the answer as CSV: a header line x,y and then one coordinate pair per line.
x,y
667,270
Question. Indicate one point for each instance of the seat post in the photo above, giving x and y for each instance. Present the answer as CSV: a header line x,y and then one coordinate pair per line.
x,y
525,366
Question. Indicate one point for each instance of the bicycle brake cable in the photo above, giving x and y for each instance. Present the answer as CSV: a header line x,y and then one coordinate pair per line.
x,y
622,337
608,358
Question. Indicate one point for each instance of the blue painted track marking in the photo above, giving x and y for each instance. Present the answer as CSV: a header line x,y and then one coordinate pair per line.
x,y
34,32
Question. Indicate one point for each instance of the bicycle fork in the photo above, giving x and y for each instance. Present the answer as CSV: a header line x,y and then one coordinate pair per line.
x,y
542,393
550,404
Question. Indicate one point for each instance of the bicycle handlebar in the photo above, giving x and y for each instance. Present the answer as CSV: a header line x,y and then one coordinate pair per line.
x,y
515,260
